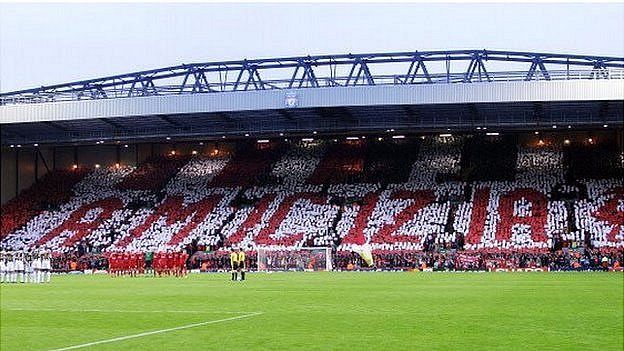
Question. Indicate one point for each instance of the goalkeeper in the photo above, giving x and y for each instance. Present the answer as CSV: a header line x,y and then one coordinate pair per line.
x,y
241,263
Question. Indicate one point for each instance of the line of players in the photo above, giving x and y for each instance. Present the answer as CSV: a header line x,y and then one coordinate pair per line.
x,y
157,264
25,267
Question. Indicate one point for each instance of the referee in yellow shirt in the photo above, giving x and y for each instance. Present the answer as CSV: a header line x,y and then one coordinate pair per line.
x,y
241,263
234,264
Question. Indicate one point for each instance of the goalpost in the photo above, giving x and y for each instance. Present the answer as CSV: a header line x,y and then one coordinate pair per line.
x,y
302,259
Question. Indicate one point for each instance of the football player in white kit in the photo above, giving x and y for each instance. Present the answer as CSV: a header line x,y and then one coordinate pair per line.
x,y
19,266
10,268
3,278
29,258
36,267
46,267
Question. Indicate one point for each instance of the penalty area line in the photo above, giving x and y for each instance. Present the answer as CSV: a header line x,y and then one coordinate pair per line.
x,y
160,331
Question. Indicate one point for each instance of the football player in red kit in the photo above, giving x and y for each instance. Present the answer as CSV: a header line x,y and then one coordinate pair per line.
x,y
125,262
162,263
140,263
133,264
176,264
170,262
157,263
112,264
130,265
183,258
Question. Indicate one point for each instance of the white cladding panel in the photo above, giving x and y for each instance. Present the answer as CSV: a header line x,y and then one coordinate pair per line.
x,y
570,90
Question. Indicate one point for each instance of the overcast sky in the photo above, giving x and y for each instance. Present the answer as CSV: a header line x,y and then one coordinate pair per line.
x,y
47,44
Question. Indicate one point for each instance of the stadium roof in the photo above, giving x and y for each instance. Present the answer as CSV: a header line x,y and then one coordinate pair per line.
x,y
418,91
416,67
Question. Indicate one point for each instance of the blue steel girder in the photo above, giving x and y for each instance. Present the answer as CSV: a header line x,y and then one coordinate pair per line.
x,y
200,82
362,67
95,91
240,76
537,63
600,70
476,64
311,77
253,77
308,77
136,80
304,73
147,87
420,64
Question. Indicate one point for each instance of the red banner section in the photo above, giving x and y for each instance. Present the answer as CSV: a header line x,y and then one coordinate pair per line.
x,y
173,209
80,224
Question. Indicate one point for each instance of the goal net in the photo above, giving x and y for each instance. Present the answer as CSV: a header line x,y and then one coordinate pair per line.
x,y
302,259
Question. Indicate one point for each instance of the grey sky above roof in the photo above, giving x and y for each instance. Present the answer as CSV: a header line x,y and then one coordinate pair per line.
x,y
43,44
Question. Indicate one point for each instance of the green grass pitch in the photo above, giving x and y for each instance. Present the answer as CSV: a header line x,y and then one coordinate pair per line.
x,y
318,311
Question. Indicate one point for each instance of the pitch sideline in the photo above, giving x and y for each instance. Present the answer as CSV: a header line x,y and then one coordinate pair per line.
x,y
124,311
160,331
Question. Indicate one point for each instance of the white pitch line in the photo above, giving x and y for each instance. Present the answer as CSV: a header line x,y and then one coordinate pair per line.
x,y
160,331
123,311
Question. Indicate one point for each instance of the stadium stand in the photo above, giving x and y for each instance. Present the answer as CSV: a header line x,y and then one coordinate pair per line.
x,y
153,173
53,190
444,202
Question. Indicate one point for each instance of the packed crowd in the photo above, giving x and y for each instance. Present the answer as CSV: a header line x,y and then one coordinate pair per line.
x,y
52,190
485,260
323,194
